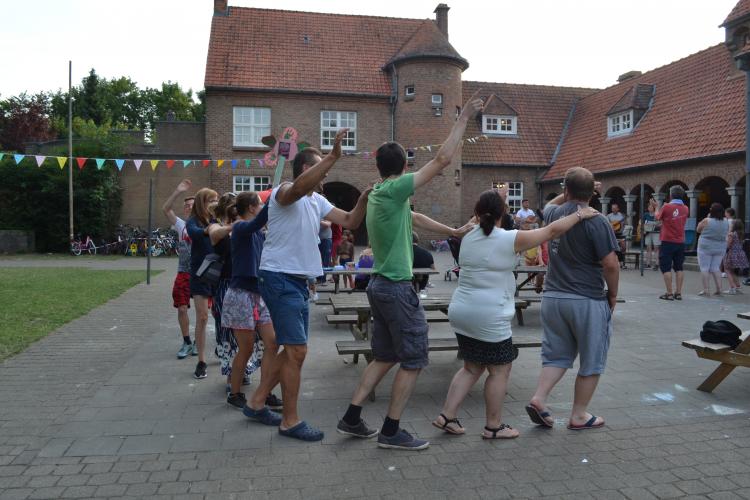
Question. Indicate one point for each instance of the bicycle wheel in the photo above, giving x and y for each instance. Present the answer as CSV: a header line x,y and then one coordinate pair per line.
x,y
156,250
75,248
91,248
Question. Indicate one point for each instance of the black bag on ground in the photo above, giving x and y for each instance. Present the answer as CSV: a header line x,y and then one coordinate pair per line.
x,y
721,332
210,270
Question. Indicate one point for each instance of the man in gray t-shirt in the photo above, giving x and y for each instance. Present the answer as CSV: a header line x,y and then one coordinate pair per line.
x,y
576,306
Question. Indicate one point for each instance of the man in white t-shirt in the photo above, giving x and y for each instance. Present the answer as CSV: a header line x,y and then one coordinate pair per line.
x,y
525,215
181,287
290,257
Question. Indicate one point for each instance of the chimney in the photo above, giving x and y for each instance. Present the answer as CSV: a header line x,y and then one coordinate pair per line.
x,y
628,76
221,7
441,18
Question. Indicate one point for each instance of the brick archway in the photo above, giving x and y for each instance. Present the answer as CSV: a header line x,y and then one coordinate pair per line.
x,y
344,196
713,190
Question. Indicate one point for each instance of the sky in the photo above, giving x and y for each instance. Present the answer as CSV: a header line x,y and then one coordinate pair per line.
x,y
582,43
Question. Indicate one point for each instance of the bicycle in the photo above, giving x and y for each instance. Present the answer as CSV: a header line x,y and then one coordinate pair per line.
x,y
77,246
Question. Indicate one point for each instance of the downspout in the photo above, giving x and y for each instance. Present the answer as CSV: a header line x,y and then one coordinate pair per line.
x,y
393,99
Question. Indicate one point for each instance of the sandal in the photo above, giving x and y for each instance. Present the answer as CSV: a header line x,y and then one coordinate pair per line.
x,y
448,421
538,416
495,431
590,424
678,296
666,296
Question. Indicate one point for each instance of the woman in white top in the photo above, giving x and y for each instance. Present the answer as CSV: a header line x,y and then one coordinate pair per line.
x,y
483,306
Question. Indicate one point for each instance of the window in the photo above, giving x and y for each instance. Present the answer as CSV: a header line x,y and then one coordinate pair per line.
x,y
410,157
250,126
620,124
515,195
437,99
251,183
409,91
331,122
492,124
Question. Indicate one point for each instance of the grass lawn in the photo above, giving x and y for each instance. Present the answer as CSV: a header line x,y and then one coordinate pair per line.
x,y
35,301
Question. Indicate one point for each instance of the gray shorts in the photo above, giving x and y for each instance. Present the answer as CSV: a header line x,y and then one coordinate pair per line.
x,y
400,329
576,327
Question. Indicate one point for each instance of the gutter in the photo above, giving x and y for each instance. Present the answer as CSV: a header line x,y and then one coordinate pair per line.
x,y
303,92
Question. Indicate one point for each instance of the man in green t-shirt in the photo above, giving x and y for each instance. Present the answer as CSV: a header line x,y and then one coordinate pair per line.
x,y
400,330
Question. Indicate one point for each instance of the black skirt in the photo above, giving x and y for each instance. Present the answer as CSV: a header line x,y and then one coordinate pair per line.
x,y
486,353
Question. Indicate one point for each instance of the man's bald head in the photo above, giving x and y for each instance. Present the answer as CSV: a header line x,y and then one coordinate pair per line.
x,y
579,183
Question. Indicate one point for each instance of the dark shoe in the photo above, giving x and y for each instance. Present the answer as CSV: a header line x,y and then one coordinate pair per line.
x,y
360,430
302,431
402,441
264,415
273,402
200,370
245,380
237,401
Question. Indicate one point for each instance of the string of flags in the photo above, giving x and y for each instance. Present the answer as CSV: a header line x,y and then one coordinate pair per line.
x,y
234,163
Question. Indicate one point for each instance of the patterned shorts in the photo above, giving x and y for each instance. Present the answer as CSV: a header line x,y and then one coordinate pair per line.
x,y
243,310
181,290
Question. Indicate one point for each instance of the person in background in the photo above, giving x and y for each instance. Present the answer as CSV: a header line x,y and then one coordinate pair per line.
x,y
422,260
365,261
617,220
325,246
651,229
736,259
712,247
181,286
525,215
673,216
345,254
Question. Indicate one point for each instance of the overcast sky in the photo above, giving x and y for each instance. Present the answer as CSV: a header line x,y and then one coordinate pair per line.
x,y
585,43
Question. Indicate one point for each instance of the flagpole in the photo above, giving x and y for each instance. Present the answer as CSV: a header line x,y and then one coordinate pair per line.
x,y
70,147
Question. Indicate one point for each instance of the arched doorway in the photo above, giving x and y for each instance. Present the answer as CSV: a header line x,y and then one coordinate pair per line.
x,y
345,196
648,192
713,190
616,196
665,188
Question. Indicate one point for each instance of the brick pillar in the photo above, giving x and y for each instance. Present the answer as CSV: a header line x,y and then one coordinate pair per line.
x,y
693,194
629,200
735,193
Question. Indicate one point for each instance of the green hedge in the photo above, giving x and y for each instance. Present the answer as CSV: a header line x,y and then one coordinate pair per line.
x,y
36,198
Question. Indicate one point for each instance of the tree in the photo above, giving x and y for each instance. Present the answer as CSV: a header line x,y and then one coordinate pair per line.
x,y
24,119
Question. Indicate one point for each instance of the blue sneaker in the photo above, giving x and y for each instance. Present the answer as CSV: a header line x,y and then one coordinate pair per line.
x,y
184,351
402,440
194,352
264,415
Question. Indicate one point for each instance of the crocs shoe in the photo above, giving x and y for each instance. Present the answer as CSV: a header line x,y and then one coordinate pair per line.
x,y
303,431
264,415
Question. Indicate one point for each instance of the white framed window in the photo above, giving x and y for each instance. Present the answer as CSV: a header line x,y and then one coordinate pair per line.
x,y
250,126
409,90
502,125
619,124
410,157
250,183
331,122
437,99
515,195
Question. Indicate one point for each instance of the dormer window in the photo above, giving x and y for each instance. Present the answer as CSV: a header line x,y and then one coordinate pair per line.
x,y
500,125
619,124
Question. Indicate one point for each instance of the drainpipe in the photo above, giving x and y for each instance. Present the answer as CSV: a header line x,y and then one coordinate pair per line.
x,y
394,98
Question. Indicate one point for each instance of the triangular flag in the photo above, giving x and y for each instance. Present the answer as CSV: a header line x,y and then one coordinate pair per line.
x,y
206,162
99,163
81,161
119,164
170,163
154,163
61,161
429,148
247,163
40,160
18,158
219,163
137,165
260,162
186,163
234,164
1,156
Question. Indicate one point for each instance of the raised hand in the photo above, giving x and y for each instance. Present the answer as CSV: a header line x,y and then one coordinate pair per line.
x,y
472,106
340,135
184,186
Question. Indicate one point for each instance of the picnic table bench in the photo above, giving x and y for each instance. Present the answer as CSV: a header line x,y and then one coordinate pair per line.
x,y
335,273
728,357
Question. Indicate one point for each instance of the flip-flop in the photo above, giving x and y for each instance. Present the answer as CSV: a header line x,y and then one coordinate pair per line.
x,y
538,416
588,425
302,431
447,429
495,431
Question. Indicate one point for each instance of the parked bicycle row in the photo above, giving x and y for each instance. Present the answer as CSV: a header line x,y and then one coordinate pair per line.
x,y
129,240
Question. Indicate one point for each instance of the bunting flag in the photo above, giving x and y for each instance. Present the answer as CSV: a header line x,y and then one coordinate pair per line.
x,y
247,162
261,163
99,163
61,160
119,164
137,165
186,163
154,163
234,164
1,156
18,158
206,162
219,163
170,164
80,162
40,160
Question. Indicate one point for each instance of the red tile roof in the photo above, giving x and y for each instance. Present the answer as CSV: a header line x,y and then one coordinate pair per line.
x,y
315,52
542,112
637,97
698,111
429,41
496,106
739,11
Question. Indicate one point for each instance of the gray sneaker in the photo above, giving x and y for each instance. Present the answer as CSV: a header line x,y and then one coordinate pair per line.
x,y
402,440
194,352
184,351
360,430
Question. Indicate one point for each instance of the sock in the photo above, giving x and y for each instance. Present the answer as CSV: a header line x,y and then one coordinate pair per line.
x,y
353,415
390,427
187,340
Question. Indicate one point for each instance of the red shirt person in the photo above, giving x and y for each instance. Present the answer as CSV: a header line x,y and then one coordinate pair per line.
x,y
673,216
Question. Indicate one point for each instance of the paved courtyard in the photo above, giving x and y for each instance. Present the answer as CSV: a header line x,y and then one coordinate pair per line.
x,y
102,408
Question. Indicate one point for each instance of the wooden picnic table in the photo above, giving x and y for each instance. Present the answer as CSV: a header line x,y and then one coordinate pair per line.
x,y
416,272
531,272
